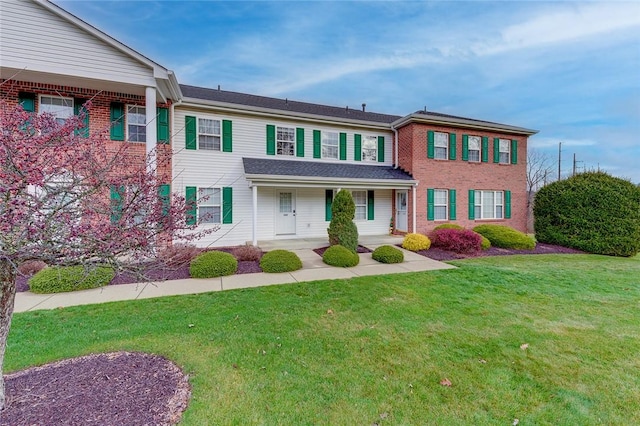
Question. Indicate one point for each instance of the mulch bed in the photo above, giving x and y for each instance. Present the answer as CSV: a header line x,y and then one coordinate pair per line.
x,y
121,388
541,248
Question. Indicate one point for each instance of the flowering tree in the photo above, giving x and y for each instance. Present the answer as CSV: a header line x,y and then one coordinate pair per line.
x,y
67,197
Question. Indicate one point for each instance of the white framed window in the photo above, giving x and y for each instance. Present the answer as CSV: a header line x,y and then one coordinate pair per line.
x,y
441,145
330,144
489,205
369,148
505,151
208,134
285,140
209,205
440,204
475,144
61,108
136,123
360,200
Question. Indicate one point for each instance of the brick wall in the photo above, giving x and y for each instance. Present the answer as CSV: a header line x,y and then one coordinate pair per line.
x,y
462,175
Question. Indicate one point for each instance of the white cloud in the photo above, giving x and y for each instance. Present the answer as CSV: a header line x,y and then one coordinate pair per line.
x,y
546,142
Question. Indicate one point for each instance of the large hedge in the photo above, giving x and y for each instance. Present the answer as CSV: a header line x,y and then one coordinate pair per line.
x,y
342,231
505,237
58,279
594,212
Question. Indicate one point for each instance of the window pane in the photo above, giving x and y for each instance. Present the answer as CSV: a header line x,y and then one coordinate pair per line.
x,y
330,145
441,139
370,148
209,142
60,108
360,200
286,134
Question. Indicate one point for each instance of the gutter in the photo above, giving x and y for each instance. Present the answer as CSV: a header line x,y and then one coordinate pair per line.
x,y
462,122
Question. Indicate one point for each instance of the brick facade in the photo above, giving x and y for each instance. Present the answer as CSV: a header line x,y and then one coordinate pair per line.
x,y
462,175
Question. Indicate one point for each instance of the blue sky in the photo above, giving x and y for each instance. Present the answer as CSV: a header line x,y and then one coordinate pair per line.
x,y
568,69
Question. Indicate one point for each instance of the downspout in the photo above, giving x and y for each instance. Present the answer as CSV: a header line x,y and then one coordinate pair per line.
x,y
395,133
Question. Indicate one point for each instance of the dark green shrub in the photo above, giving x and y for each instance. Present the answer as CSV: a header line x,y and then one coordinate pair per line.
x,y
212,264
448,226
280,261
342,230
58,279
388,254
340,256
593,212
456,240
506,237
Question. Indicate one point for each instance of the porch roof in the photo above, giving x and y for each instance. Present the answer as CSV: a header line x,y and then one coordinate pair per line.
x,y
276,172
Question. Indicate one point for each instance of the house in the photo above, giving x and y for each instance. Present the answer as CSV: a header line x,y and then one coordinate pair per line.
x,y
262,168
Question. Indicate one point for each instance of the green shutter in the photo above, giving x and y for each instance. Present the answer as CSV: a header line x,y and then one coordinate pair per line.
x,y
300,142
430,206
357,147
28,101
117,121
431,150
162,124
496,150
472,204
370,205
192,204
452,146
77,109
507,204
485,149
317,144
271,139
191,133
343,146
514,151
452,204
227,136
164,193
380,149
116,202
328,201
227,205
465,147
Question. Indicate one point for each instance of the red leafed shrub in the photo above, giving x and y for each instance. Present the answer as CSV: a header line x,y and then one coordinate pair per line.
x,y
31,267
456,240
247,252
179,254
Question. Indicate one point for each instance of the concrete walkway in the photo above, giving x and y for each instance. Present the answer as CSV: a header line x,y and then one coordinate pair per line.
x,y
313,269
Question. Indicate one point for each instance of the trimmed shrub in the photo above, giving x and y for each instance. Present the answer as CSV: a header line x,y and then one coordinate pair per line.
x,y
31,267
280,261
247,252
179,255
340,256
59,279
486,244
212,264
388,254
456,240
342,231
448,226
592,212
416,242
506,237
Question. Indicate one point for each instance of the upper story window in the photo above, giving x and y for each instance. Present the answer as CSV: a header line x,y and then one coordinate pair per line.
x,y
285,140
369,148
475,144
61,108
136,123
209,134
440,203
505,151
330,144
360,200
489,205
441,144
209,205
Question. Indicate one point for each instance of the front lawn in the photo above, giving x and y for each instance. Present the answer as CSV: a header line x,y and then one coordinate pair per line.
x,y
548,339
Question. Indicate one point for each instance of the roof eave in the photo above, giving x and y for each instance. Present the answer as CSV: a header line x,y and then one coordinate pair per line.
x,y
323,181
460,122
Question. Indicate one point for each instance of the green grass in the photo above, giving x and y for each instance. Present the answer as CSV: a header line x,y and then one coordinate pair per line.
x,y
374,349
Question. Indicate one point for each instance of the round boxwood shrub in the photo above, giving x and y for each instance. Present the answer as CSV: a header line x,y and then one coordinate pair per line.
x,y
212,264
342,231
456,240
280,261
506,237
58,279
388,254
485,243
416,242
448,226
340,256
592,211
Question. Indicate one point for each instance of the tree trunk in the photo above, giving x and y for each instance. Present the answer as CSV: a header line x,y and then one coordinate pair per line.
x,y
7,298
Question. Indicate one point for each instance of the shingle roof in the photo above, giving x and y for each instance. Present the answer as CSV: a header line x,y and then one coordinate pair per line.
x,y
284,104
263,166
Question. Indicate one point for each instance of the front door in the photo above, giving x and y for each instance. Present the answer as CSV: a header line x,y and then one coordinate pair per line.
x,y
401,211
286,212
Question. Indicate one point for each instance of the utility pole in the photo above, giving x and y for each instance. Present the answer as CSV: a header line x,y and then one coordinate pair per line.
x,y
574,164
559,159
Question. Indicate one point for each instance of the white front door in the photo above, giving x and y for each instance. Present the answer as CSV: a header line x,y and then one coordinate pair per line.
x,y
401,211
286,212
